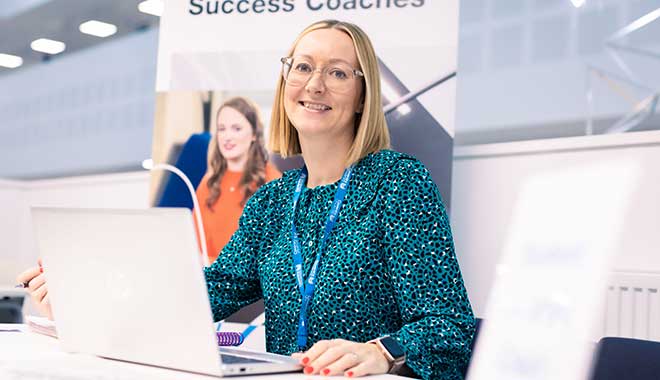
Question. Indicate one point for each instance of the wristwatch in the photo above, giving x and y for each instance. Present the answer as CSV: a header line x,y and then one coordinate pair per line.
x,y
393,352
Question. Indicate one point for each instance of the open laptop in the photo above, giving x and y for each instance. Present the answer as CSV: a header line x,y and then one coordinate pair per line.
x,y
128,285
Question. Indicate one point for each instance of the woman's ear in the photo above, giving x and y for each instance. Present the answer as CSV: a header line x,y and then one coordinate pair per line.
x,y
360,107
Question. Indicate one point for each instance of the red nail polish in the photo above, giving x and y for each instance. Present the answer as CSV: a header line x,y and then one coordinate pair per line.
x,y
41,269
309,370
325,372
349,374
305,360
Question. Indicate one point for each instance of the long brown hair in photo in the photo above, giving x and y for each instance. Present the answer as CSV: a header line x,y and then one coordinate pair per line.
x,y
254,174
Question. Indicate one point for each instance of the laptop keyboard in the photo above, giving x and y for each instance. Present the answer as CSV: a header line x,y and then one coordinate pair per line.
x,y
233,359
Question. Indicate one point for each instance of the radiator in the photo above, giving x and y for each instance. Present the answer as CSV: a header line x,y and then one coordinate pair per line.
x,y
632,306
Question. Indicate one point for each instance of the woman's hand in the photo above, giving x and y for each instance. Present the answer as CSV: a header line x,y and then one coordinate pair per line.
x,y
37,288
338,356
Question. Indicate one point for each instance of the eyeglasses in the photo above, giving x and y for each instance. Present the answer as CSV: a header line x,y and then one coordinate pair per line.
x,y
337,76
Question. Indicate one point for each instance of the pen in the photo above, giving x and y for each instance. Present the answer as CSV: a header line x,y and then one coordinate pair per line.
x,y
26,284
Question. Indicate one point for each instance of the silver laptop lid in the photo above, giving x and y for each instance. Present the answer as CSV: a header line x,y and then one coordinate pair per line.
x,y
128,285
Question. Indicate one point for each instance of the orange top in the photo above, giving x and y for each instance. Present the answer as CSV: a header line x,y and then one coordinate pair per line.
x,y
221,222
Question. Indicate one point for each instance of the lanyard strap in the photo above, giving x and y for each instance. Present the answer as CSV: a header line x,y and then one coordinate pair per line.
x,y
306,288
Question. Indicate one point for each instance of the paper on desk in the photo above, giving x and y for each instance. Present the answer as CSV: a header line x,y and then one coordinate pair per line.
x,y
41,325
12,327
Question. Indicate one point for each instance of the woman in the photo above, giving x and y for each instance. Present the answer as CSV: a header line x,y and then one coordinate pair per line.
x,y
388,266
238,166
387,295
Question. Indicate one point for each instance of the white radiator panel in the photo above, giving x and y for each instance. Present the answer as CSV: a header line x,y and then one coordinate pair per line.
x,y
632,306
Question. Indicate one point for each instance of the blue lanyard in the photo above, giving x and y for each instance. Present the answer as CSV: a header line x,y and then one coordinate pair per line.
x,y
306,288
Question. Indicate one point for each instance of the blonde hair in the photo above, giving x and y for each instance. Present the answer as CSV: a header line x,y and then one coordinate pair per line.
x,y
371,132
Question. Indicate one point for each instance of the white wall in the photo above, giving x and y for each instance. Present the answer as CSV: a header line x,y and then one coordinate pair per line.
x,y
487,179
12,229
17,248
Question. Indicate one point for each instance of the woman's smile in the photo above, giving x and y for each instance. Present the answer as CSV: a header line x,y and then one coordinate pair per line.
x,y
315,107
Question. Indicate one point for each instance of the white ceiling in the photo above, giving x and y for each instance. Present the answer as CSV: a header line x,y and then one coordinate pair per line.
x,y
22,21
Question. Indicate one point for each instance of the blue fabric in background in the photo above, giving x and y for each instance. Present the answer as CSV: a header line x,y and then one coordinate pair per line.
x,y
192,162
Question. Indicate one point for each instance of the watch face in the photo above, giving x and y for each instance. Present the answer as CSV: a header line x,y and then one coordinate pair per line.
x,y
392,347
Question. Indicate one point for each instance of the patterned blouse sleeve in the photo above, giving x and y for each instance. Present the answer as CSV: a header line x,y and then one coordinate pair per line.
x,y
438,322
233,279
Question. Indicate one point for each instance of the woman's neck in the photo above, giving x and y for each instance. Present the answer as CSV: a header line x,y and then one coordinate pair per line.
x,y
237,164
325,158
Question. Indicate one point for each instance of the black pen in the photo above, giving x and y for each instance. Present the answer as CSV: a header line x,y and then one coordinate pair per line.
x,y
26,284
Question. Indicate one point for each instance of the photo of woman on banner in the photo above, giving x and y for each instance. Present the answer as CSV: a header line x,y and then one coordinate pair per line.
x,y
353,253
238,166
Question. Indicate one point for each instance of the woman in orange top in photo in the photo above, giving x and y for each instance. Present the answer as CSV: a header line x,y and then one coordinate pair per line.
x,y
238,166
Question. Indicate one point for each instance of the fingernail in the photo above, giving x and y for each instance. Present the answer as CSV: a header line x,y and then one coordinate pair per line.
x,y
325,372
349,374
308,370
41,270
305,360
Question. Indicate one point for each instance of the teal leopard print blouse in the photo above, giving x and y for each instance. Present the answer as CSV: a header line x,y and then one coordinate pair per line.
x,y
389,267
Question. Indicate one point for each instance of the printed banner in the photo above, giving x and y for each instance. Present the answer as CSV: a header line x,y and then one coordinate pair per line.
x,y
213,50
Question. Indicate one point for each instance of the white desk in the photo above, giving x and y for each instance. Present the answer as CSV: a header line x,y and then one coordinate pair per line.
x,y
26,355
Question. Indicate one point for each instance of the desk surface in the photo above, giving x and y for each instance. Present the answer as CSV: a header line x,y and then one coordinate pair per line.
x,y
26,355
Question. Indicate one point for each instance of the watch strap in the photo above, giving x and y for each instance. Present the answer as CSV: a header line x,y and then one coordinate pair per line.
x,y
396,362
